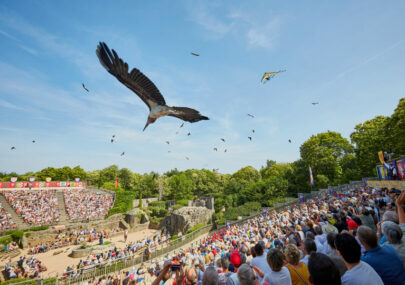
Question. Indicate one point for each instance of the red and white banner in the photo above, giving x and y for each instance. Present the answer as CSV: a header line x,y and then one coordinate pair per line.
x,y
41,184
401,168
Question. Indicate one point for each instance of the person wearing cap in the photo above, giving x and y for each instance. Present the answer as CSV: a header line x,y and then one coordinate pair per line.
x,y
236,262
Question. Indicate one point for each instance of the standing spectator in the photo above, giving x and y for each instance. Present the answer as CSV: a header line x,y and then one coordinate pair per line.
x,y
358,272
298,270
334,256
322,270
260,261
279,274
385,261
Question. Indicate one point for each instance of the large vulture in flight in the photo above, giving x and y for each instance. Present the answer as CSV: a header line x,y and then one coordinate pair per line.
x,y
144,88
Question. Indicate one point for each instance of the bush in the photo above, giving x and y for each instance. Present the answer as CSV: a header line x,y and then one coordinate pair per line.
x,y
243,210
175,207
6,240
123,202
182,202
27,235
158,204
36,229
196,227
174,237
158,212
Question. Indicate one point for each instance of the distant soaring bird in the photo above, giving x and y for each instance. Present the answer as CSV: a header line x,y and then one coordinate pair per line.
x,y
225,150
169,151
253,131
269,75
215,149
84,87
315,103
144,88
189,134
222,139
122,153
181,125
113,136
167,142
33,141
250,115
112,140
187,158
195,54
250,138
177,133
289,141
12,148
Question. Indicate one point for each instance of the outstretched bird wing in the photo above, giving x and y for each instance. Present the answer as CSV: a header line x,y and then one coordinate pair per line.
x,y
134,80
186,114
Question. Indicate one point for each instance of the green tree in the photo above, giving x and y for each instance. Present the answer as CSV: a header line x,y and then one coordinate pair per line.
x,y
181,187
324,152
369,138
246,175
126,178
397,129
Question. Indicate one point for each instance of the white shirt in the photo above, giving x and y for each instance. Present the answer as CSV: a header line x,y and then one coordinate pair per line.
x,y
278,278
361,274
261,263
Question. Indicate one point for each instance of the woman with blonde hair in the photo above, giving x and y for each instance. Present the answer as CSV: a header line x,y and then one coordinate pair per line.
x,y
298,270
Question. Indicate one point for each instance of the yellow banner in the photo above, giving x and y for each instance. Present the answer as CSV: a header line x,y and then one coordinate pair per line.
x,y
400,185
381,157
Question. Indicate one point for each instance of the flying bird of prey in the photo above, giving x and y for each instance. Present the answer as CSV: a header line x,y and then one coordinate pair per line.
x,y
289,141
167,142
225,150
177,133
315,103
181,125
12,148
84,87
112,140
33,141
122,153
144,88
169,151
195,54
188,134
250,115
250,138
253,131
269,75
222,139
215,149
187,158
113,136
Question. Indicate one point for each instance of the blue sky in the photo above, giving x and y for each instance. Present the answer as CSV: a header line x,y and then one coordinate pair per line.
x,y
347,55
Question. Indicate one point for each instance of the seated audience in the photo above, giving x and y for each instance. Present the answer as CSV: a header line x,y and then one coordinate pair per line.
x,y
322,270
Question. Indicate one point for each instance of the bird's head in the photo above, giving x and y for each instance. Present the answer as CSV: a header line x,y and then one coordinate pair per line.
x,y
149,121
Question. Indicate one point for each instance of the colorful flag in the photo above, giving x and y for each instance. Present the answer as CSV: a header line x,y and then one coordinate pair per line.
x,y
311,178
381,157
116,182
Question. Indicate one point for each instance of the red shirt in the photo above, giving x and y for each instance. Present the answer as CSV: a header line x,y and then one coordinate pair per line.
x,y
351,224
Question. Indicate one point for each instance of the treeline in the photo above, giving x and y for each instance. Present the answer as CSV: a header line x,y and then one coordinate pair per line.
x,y
333,159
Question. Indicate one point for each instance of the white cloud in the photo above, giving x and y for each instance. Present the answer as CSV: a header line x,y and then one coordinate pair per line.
x,y
257,31
27,49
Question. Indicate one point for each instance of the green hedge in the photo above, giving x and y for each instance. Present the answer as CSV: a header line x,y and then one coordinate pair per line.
x,y
29,281
196,227
157,212
158,204
123,202
175,207
182,202
6,240
243,210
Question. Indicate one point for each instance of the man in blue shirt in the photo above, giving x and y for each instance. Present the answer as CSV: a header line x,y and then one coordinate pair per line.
x,y
384,259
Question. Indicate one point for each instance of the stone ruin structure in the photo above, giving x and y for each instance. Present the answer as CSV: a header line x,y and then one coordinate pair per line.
x,y
185,218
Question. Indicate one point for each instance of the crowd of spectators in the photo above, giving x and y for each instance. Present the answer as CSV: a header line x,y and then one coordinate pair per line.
x,y
6,223
355,237
24,268
83,205
36,207
71,238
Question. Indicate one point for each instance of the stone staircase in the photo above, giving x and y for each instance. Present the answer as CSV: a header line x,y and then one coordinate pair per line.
x,y
14,216
63,218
